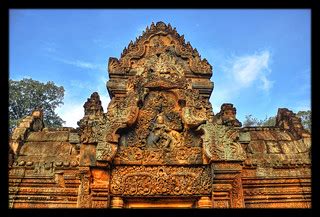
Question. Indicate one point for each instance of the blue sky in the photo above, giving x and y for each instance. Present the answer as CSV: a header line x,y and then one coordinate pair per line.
x,y
260,58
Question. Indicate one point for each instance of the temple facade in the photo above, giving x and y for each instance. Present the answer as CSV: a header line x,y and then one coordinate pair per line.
x,y
159,144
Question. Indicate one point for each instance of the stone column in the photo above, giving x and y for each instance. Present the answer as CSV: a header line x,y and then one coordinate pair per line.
x,y
117,202
204,202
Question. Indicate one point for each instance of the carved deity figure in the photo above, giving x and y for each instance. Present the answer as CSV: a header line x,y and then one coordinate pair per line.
x,y
161,136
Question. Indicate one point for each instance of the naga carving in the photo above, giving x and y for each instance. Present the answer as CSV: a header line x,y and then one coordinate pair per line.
x,y
221,142
121,114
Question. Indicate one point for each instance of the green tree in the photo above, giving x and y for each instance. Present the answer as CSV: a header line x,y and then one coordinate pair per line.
x,y
305,119
251,121
27,94
269,122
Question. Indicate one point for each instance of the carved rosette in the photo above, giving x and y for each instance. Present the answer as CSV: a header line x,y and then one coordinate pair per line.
x,y
153,181
220,143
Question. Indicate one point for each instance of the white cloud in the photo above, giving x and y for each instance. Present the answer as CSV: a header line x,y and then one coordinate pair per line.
x,y
105,102
49,46
19,77
266,84
71,113
219,97
80,84
238,74
81,64
250,68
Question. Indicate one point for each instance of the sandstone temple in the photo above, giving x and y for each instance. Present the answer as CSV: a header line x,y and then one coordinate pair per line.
x,y
159,144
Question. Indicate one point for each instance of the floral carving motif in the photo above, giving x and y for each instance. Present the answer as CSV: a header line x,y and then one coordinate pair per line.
x,y
145,181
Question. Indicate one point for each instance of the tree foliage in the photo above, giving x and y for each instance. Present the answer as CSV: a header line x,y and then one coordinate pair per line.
x,y
27,94
305,119
252,121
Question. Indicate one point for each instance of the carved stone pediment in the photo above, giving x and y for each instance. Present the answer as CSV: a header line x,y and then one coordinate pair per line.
x,y
157,102
155,41
159,52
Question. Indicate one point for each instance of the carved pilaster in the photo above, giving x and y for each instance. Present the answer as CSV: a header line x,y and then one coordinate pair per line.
x,y
84,197
237,193
100,187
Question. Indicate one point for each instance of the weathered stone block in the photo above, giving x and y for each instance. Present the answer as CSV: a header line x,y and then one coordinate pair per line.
x,y
244,137
74,138
55,136
87,155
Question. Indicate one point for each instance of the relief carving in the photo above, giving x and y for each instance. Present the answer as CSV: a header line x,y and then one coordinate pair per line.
x,y
121,114
156,121
237,193
157,40
84,196
159,141
165,122
170,180
93,120
221,142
